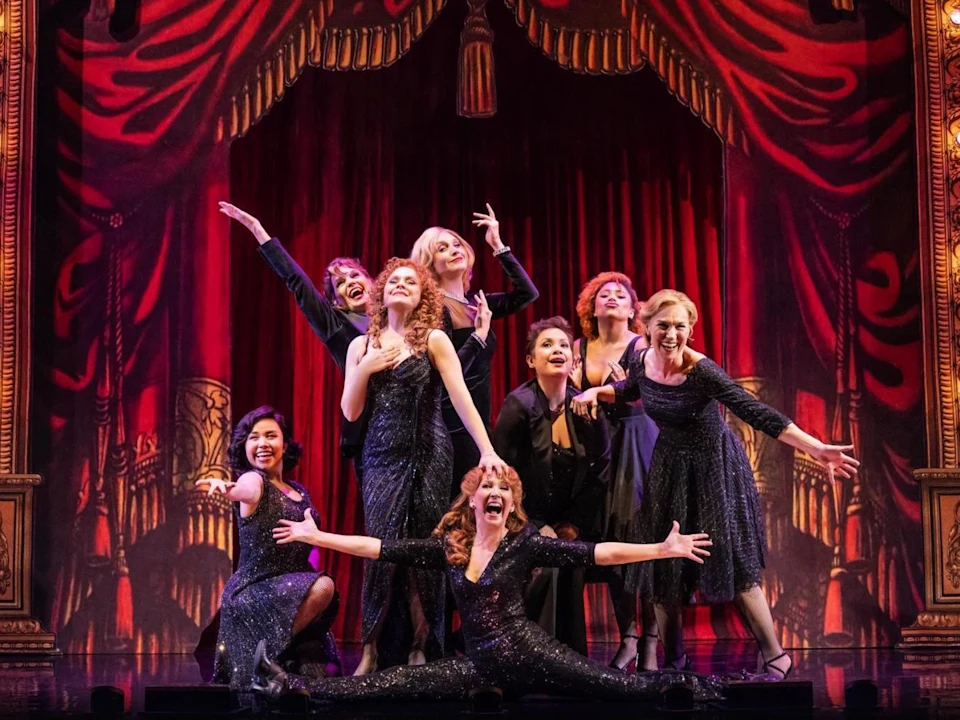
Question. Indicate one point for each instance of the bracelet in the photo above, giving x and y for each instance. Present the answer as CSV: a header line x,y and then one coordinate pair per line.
x,y
483,343
501,251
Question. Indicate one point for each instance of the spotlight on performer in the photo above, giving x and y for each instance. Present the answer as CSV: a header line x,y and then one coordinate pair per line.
x,y
861,698
106,701
486,701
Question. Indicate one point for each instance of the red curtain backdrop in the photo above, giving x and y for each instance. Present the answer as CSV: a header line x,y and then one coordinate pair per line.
x,y
360,164
133,275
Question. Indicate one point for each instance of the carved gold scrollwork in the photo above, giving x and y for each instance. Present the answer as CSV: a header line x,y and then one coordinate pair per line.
x,y
202,433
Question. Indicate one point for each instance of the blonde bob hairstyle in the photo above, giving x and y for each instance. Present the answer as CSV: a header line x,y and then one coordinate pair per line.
x,y
426,247
663,299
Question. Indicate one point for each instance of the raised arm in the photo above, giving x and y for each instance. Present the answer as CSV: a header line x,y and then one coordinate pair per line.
x,y
362,362
247,490
444,359
322,316
422,553
523,291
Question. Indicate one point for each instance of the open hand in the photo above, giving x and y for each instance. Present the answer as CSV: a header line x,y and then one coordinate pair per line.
x,y
617,373
245,219
376,359
289,531
490,462
483,315
585,404
836,460
489,221
691,547
214,485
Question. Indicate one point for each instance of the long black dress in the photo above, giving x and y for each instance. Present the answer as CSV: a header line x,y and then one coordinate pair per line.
x,y
504,648
701,477
475,357
407,459
264,594
335,327
633,435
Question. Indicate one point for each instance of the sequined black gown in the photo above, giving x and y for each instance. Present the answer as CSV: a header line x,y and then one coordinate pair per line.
x,y
503,647
701,477
407,461
262,597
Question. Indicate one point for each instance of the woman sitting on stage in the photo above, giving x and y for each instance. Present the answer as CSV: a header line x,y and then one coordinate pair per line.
x,y
487,548
274,592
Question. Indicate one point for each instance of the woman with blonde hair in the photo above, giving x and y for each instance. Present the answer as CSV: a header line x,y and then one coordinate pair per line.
x,y
396,372
609,313
451,259
488,549
700,475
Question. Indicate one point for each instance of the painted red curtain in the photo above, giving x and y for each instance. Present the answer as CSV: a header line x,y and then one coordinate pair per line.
x,y
580,180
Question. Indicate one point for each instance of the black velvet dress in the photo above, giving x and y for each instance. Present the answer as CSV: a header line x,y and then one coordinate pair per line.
x,y
475,360
264,594
633,435
407,460
503,647
700,476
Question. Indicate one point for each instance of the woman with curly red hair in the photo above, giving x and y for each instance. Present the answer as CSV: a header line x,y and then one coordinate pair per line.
x,y
488,551
609,313
396,372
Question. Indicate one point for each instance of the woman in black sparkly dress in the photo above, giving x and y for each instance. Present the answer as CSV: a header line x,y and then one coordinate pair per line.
x,y
396,373
337,315
609,313
488,549
564,463
275,593
701,476
450,258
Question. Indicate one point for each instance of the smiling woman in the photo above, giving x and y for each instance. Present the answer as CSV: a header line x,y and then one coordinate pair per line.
x,y
274,594
396,373
488,557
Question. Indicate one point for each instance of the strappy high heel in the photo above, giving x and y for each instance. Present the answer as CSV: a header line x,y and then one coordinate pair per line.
x,y
774,673
269,678
675,663
634,658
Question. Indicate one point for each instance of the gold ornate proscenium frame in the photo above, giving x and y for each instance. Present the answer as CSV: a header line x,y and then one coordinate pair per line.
x,y
936,43
20,632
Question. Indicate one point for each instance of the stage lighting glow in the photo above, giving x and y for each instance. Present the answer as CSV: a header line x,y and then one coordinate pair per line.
x,y
955,17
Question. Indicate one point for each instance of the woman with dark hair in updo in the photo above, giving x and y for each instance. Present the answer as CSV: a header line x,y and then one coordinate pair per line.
x,y
274,593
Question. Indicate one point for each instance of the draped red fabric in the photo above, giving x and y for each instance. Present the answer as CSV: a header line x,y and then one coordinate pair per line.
x,y
580,180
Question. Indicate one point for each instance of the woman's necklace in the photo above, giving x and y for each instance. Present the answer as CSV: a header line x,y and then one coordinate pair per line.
x,y
555,414
457,298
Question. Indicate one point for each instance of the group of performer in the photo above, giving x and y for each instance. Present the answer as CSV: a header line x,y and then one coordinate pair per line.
x,y
613,455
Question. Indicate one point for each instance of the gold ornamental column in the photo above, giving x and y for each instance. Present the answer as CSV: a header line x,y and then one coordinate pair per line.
x,y
936,43
20,632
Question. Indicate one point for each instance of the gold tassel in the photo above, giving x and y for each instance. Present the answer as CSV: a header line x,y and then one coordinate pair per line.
x,y
476,89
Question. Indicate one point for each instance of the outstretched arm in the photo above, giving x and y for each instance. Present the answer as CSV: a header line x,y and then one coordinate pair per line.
x,y
444,358
692,547
424,553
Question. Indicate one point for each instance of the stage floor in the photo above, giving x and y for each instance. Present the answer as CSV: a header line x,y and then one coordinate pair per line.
x,y
907,687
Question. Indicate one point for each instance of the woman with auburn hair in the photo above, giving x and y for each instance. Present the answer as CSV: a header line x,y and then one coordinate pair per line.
x,y
450,258
701,476
609,313
488,550
396,372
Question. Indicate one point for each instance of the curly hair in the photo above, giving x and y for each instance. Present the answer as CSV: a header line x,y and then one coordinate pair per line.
x,y
426,245
237,452
588,299
459,525
426,316
334,270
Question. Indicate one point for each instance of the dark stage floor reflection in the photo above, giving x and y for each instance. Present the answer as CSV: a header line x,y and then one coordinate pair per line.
x,y
907,687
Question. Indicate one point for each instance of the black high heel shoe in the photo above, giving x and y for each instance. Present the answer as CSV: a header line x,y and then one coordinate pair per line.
x,y
634,658
269,678
675,663
775,673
